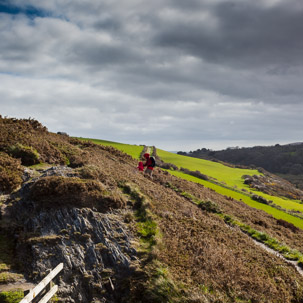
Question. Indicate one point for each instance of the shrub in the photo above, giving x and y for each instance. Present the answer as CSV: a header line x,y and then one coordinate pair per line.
x,y
196,173
166,165
11,296
27,154
229,220
91,172
56,191
260,199
10,173
287,225
75,161
210,206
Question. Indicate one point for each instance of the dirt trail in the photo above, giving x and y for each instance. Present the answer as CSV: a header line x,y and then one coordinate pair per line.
x,y
17,286
294,263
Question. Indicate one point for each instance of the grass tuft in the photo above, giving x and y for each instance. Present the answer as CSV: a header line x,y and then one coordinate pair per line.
x,y
11,296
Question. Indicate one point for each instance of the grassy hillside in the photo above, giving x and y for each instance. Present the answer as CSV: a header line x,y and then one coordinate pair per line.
x,y
286,160
188,243
224,174
132,150
225,180
231,183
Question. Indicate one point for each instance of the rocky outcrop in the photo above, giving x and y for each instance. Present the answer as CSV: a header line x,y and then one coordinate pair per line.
x,y
96,248
273,185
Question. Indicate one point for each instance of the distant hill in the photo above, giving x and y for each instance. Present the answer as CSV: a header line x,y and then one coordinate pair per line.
x,y
285,160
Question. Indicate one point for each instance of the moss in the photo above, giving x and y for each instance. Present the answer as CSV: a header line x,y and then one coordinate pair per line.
x,y
11,296
158,286
147,231
208,206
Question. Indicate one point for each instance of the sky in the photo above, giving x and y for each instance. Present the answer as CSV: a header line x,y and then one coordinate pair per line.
x,y
180,75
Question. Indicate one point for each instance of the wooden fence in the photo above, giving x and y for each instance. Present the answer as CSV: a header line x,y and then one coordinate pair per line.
x,y
45,286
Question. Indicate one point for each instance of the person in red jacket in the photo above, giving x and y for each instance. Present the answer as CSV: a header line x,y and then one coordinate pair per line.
x,y
140,166
149,165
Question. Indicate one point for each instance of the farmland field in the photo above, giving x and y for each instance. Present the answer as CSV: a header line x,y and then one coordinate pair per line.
x,y
230,176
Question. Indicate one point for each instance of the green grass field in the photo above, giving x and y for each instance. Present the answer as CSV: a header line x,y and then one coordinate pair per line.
x,y
224,174
132,150
283,202
229,181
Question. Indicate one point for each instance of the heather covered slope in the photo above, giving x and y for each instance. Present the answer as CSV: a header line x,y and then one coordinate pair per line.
x,y
160,240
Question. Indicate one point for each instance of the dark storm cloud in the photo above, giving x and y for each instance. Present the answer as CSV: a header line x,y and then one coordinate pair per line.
x,y
245,35
100,54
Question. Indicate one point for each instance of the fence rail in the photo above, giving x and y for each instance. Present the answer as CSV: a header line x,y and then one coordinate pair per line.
x,y
46,283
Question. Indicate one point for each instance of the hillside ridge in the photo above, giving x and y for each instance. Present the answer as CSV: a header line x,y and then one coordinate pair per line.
x,y
160,240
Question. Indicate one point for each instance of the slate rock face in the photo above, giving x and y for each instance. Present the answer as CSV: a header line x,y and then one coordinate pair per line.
x,y
95,248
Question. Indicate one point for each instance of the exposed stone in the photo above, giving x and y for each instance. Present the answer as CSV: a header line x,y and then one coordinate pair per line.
x,y
94,247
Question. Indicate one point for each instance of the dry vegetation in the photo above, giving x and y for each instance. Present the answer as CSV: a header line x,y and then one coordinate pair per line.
x,y
193,255
10,173
55,191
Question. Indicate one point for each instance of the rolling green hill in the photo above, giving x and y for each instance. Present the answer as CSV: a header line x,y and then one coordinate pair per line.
x,y
223,179
285,160
223,174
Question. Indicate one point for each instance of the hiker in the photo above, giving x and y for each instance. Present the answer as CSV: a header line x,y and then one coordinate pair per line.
x,y
150,164
140,166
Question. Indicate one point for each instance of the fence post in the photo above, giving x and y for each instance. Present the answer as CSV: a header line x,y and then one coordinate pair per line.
x,y
33,293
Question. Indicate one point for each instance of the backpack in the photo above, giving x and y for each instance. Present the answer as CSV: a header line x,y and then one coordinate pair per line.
x,y
153,162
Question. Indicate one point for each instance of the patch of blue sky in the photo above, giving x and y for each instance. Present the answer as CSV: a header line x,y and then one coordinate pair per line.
x,y
30,11
10,74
